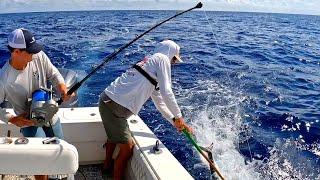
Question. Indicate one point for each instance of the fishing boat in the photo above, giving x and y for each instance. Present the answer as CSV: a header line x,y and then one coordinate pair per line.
x,y
85,137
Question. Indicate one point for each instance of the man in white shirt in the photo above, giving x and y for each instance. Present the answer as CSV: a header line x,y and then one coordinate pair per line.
x,y
27,70
127,94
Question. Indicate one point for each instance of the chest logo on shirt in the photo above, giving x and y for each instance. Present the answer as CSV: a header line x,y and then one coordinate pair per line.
x,y
36,75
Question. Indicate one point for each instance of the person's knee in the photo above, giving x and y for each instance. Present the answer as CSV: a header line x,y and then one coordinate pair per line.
x,y
126,150
57,130
129,144
58,133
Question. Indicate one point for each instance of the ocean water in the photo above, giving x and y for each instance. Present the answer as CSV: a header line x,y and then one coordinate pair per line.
x,y
249,85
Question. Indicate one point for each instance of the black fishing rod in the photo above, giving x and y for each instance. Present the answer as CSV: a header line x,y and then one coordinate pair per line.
x,y
117,51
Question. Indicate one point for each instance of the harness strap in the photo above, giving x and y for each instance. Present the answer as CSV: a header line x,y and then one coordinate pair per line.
x,y
146,75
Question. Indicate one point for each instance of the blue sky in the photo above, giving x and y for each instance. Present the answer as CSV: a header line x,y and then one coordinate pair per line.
x,y
277,6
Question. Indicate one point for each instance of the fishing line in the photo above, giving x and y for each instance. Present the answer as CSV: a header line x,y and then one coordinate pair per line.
x,y
211,27
218,55
216,42
219,52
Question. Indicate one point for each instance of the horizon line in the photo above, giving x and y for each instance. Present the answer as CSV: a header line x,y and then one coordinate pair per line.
x,y
231,11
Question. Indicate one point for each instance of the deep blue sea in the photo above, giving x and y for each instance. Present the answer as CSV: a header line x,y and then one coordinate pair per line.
x,y
250,83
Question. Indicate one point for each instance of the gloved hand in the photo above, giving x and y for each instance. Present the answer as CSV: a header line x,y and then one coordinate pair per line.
x,y
180,125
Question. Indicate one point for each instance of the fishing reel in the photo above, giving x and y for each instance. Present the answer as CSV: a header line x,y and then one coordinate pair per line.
x,y
43,108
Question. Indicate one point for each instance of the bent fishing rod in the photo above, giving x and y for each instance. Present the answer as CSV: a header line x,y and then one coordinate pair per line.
x,y
117,51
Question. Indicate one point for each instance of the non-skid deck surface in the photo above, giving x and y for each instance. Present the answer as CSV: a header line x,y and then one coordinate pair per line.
x,y
85,172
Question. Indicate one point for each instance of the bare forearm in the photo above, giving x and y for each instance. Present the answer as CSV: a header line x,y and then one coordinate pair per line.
x,y
21,121
62,89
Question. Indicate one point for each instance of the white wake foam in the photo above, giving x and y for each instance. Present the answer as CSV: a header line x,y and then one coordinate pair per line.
x,y
215,113
216,118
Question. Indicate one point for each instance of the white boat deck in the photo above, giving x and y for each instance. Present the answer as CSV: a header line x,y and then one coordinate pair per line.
x,y
83,128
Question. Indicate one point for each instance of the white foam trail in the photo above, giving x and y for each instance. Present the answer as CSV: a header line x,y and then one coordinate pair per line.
x,y
214,111
215,116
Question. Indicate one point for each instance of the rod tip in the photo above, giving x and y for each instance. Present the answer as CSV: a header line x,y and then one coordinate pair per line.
x,y
199,5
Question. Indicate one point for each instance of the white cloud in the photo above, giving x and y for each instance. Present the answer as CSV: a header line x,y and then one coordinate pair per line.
x,y
282,6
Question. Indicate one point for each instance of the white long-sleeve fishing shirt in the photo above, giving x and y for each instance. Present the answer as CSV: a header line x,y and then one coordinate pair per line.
x,y
132,89
18,85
